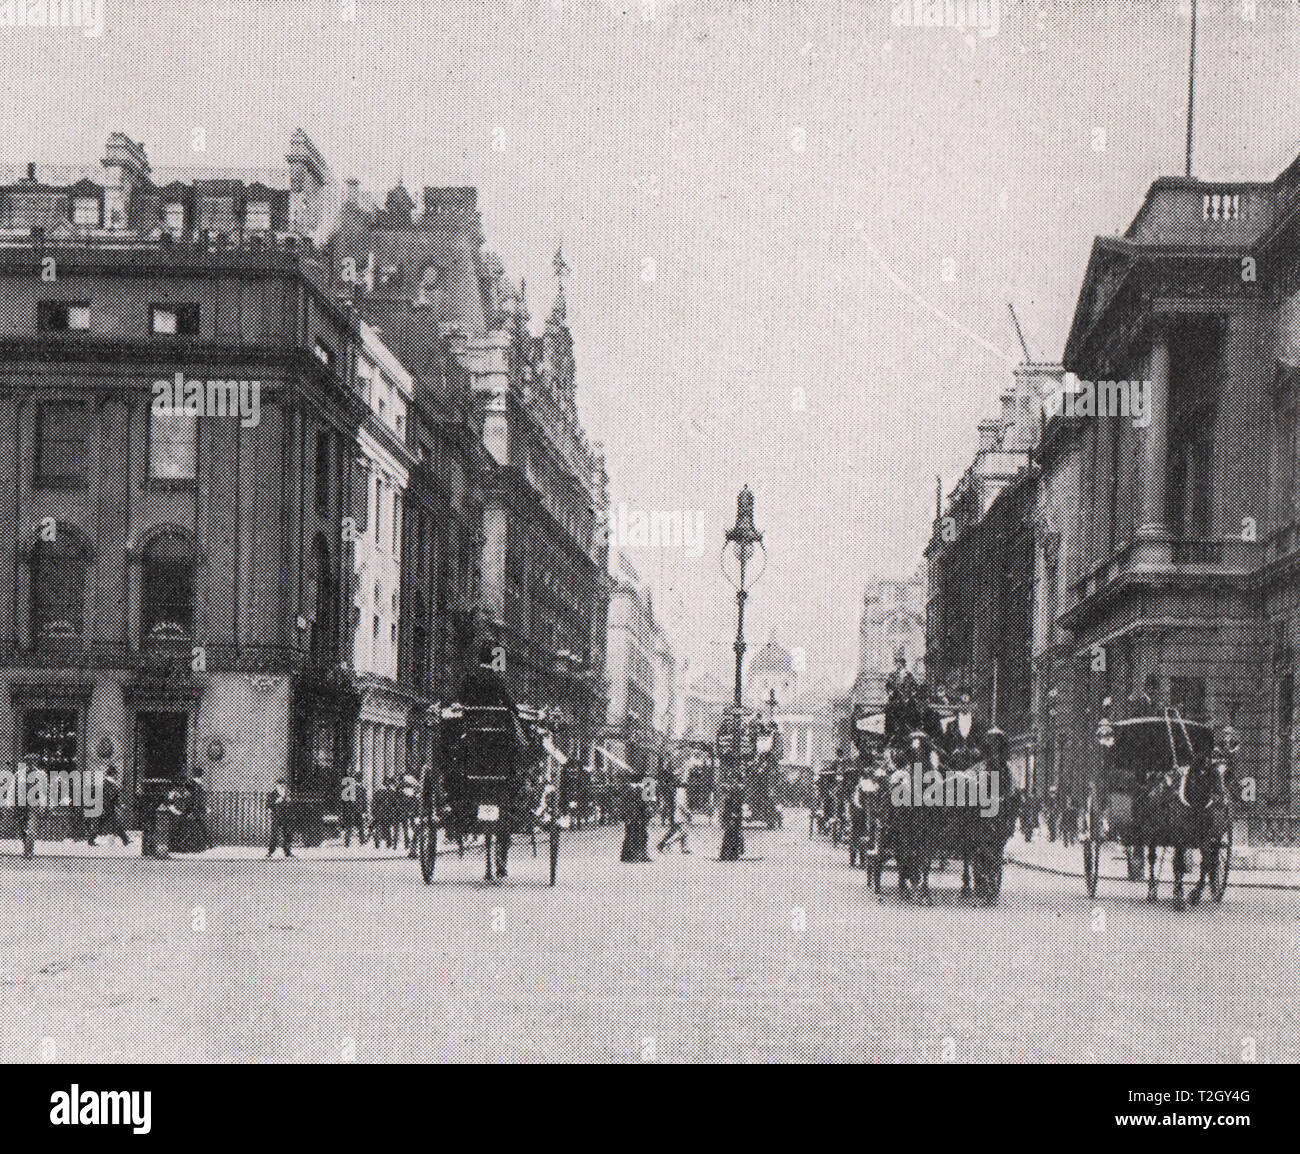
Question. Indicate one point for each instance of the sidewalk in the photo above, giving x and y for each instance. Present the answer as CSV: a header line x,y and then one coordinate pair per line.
x,y
1054,858
333,850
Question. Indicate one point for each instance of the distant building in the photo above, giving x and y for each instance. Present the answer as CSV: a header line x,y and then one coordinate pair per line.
x,y
893,627
803,717
381,740
771,671
705,701
640,666
980,568
521,489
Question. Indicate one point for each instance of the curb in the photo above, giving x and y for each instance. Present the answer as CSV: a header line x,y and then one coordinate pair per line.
x,y
1245,885
217,855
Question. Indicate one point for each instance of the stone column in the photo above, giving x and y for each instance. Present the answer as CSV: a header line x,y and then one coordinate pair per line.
x,y
1154,523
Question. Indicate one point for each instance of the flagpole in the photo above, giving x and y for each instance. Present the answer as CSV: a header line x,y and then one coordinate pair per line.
x,y
1191,90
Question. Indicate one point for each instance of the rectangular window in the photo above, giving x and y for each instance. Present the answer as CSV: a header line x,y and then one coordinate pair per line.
x,y
173,445
85,212
174,320
63,316
61,443
397,523
257,218
176,219
50,739
323,472
379,510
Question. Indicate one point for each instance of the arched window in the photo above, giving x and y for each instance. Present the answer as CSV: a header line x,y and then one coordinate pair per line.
x,y
167,590
58,602
322,604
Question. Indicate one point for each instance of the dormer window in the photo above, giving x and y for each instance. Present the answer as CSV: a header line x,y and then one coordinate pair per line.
x,y
257,218
62,317
85,212
176,219
174,320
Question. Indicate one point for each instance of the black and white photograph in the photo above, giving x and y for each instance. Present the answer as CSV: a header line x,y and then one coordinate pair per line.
x,y
649,532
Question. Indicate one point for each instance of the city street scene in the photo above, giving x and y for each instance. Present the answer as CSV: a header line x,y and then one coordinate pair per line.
x,y
665,531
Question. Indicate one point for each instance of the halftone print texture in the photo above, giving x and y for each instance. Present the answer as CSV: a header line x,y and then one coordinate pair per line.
x,y
677,531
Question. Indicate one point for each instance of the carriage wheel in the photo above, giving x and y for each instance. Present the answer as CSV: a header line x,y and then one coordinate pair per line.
x,y
555,849
1219,879
1091,856
428,843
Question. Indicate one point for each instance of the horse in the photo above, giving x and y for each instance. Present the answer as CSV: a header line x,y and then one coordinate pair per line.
x,y
913,825
984,836
1186,808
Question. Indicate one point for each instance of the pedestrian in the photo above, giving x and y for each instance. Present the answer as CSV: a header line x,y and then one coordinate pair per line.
x,y
195,820
681,817
352,809
23,813
1029,817
409,795
1052,809
1069,821
278,801
858,822
733,819
636,819
109,821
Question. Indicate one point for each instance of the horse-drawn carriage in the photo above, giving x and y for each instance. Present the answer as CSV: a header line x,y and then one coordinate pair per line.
x,y
1163,783
929,792
499,777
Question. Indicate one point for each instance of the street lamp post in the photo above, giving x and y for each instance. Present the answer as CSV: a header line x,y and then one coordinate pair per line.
x,y
742,540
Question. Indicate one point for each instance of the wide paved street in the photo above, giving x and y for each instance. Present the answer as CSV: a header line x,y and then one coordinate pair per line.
x,y
784,957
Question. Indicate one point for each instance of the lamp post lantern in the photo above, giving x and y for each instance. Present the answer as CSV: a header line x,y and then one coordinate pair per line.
x,y
743,539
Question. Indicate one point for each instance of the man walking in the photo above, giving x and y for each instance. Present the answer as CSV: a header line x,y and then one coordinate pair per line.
x,y
109,821
281,807
681,817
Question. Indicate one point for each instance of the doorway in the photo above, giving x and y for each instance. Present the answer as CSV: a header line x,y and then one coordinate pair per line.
x,y
161,748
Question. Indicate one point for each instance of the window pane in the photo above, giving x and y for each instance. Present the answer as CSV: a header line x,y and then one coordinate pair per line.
x,y
50,739
61,441
173,444
85,211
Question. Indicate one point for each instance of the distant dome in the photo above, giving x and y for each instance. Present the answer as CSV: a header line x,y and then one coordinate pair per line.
x,y
772,658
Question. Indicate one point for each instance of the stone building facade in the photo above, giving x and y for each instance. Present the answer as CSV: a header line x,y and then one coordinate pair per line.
x,y
182,582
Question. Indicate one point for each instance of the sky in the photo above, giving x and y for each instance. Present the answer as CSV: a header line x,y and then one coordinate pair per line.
x,y
793,228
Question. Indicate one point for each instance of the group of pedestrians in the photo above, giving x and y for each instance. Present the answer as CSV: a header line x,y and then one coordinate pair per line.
x,y
641,800
1058,811
175,819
